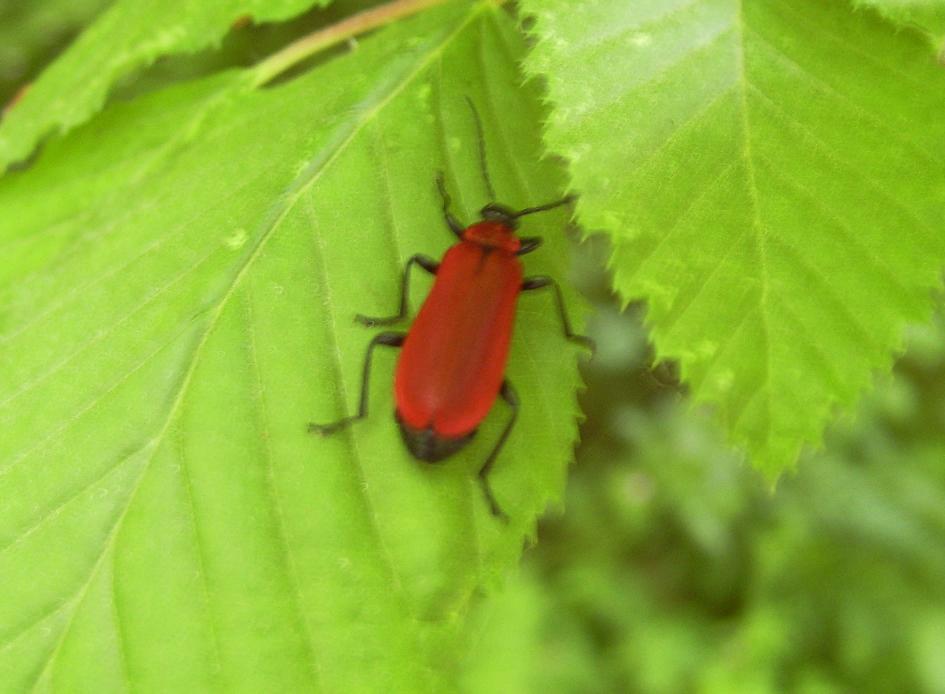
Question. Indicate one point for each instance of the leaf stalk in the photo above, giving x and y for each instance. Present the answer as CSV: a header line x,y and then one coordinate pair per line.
x,y
327,37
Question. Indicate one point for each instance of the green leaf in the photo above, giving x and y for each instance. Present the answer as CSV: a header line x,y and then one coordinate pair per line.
x,y
177,302
129,35
772,177
927,15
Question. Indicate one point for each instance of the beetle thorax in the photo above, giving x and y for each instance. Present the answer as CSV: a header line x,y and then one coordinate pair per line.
x,y
493,235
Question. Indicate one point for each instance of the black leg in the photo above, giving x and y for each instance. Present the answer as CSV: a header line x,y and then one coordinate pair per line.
x,y
529,244
424,261
386,339
546,206
540,282
511,397
454,224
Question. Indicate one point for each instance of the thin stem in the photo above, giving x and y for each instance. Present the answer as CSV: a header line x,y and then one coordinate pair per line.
x,y
332,35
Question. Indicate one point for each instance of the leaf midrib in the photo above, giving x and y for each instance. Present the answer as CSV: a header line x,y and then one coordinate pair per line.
x,y
757,225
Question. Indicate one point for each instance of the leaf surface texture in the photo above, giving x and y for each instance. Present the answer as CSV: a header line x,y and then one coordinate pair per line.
x,y
772,178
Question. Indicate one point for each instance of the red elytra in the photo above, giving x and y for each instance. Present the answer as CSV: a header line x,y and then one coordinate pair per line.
x,y
453,360
452,367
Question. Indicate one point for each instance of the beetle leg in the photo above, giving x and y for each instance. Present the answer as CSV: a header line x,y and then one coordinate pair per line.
x,y
540,282
424,261
511,397
454,224
386,339
546,206
529,244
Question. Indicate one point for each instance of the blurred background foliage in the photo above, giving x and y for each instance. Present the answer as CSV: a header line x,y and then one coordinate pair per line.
x,y
676,568
32,32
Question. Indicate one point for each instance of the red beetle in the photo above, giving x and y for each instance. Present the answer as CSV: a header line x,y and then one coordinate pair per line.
x,y
452,366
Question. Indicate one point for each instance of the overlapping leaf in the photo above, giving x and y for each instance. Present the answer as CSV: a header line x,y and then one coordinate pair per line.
x,y
773,179
176,301
128,35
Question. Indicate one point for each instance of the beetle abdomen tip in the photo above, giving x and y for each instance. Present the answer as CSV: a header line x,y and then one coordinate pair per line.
x,y
426,445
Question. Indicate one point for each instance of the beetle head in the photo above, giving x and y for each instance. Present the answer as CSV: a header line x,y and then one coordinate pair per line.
x,y
494,212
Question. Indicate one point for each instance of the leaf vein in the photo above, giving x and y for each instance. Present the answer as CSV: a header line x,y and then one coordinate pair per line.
x,y
681,311
103,334
756,211
50,513
828,90
369,510
693,203
854,48
90,405
790,254
188,485
289,562
652,157
849,237
831,156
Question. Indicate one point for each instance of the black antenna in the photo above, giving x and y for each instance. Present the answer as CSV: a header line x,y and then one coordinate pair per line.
x,y
542,208
482,150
